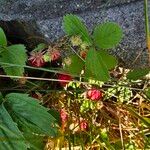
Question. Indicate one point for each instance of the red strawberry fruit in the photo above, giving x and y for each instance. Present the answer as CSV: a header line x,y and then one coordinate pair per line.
x,y
55,55
83,125
83,54
64,77
63,115
94,94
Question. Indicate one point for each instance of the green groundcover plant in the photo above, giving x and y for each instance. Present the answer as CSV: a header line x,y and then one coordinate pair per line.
x,y
98,105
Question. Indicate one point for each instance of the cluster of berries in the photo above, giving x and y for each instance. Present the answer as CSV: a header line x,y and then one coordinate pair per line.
x,y
92,94
83,46
83,124
40,58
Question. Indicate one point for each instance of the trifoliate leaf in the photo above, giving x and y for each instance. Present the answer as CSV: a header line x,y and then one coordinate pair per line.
x,y
3,40
107,35
11,137
138,73
25,124
94,66
33,136
109,60
74,26
12,56
74,65
30,109
35,142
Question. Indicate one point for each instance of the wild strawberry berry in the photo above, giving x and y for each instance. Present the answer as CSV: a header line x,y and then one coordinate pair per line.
x,y
83,54
94,94
76,40
55,55
63,115
36,59
83,125
67,61
64,77
84,45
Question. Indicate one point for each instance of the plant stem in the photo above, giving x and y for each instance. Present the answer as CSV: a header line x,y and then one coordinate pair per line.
x,y
75,81
147,27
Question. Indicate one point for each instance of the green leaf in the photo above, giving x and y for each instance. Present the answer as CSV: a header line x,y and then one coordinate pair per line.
x,y
30,109
138,73
74,65
74,26
40,47
94,66
11,137
56,115
107,35
33,136
15,54
109,60
3,40
27,125
36,142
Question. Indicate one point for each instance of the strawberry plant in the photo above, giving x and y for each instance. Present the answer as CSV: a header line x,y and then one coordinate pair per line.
x,y
23,122
14,55
94,103
99,99
97,61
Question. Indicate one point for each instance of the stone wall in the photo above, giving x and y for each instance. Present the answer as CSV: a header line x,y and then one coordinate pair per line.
x,y
36,21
